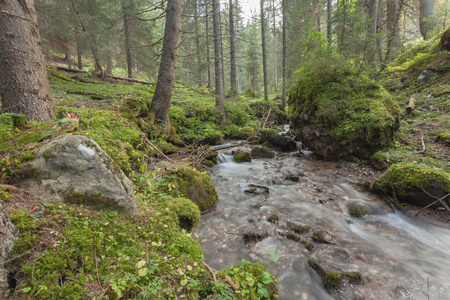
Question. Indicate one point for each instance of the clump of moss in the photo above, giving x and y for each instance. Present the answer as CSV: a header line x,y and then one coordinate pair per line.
x,y
356,210
95,200
293,236
401,177
332,280
273,219
242,156
273,137
300,229
309,245
261,152
187,213
252,237
355,277
5,196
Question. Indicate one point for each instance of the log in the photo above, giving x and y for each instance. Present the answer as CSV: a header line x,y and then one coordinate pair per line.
x,y
410,106
70,70
131,80
19,121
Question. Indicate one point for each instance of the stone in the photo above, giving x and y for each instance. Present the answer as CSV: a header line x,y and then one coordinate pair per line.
x,y
273,219
426,76
8,233
242,156
323,236
299,229
275,139
252,237
261,152
75,168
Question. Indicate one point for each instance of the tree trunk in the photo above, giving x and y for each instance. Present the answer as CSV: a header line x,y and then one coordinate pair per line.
x,y
233,80
371,34
263,38
274,29
427,18
283,96
208,64
197,45
393,33
329,21
218,56
125,9
78,43
23,76
167,69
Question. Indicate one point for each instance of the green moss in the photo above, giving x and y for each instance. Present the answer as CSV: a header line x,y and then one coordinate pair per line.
x,y
405,176
187,213
261,152
94,200
4,195
300,229
332,280
48,154
242,156
275,139
273,219
355,277
356,210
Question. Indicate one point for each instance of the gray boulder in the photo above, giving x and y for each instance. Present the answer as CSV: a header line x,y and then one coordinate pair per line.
x,y
8,233
75,168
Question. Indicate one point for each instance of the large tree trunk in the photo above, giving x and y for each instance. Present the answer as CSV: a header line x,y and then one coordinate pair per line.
x,y
126,5
218,56
329,21
24,85
372,6
263,38
167,69
275,43
283,95
197,45
233,79
78,42
208,64
393,33
427,18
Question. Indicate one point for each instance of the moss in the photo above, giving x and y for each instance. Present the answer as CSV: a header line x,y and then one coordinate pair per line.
x,y
332,280
48,154
355,277
94,200
251,237
293,236
356,210
261,152
300,229
405,176
242,156
275,139
273,219
309,245
4,195
187,213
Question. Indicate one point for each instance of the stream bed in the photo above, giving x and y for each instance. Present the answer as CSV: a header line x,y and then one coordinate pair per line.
x,y
399,256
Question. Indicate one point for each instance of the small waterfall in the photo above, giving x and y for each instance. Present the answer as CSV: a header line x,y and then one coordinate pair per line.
x,y
224,158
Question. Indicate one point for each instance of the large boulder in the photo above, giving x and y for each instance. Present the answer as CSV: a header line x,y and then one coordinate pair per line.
x,y
75,168
341,116
413,183
8,234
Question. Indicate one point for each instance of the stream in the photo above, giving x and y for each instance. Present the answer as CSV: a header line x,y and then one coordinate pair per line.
x,y
400,256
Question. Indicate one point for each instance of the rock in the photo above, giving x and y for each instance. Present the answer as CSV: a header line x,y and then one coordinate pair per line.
x,y
356,210
273,219
261,152
379,161
293,236
299,229
275,139
76,169
426,76
293,178
257,190
444,43
252,237
413,183
242,156
8,233
323,236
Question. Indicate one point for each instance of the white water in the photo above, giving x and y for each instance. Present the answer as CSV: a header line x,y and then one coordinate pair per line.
x,y
400,253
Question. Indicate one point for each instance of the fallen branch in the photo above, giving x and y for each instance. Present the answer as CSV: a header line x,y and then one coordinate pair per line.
x,y
230,282
441,200
210,270
423,146
232,146
66,69
410,106
131,80
267,118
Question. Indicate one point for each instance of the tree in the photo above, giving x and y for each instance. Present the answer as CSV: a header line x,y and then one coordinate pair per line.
x,y
218,56
263,39
233,78
160,103
329,21
126,4
23,76
372,6
283,95
427,17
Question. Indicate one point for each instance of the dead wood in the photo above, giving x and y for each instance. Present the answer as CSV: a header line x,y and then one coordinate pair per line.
x,y
410,106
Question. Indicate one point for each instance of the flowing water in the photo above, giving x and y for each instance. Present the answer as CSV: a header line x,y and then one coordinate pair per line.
x,y
400,256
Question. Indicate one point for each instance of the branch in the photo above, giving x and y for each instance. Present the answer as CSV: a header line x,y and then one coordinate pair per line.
x,y
441,200
13,15
210,270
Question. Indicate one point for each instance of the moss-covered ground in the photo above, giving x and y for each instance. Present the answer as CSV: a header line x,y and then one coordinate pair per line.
x,y
70,252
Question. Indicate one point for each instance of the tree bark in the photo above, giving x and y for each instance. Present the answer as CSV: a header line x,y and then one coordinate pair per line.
x,y
167,69
371,33
24,87
329,21
283,95
125,13
393,33
427,18
263,39
197,45
78,42
233,79
218,56
208,64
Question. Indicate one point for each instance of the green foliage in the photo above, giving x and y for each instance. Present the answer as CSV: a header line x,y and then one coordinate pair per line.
x,y
253,281
4,195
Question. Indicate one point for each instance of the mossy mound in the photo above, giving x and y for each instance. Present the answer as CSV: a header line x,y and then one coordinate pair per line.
x,y
340,115
273,137
194,185
414,183
242,156
356,210
186,211
261,152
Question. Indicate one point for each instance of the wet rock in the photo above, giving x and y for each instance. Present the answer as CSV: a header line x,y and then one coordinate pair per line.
x,y
299,229
8,233
242,156
257,190
273,219
332,280
275,139
380,162
293,236
356,210
75,168
308,244
211,158
323,236
293,178
261,152
251,237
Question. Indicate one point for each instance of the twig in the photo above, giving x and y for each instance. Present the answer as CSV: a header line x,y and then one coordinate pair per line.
x,y
267,118
210,270
236,233
230,282
441,200
431,204
423,145
13,15
232,146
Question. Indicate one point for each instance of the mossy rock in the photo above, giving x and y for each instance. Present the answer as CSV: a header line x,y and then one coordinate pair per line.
x,y
341,116
332,280
299,229
242,156
273,219
252,237
273,137
261,152
196,186
186,211
414,183
356,210
380,161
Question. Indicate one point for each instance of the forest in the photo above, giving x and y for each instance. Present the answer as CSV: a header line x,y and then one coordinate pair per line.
x,y
240,149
